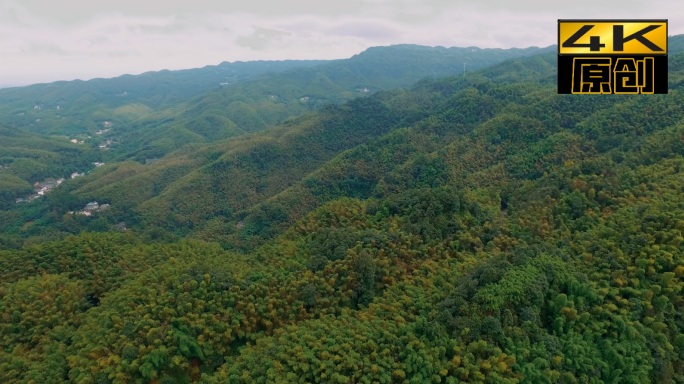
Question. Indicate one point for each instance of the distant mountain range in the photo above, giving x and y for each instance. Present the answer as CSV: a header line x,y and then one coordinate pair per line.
x,y
80,107
259,103
140,119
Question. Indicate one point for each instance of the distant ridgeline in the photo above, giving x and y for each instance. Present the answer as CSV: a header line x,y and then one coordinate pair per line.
x,y
232,176
266,101
463,229
151,117
82,107
147,116
53,130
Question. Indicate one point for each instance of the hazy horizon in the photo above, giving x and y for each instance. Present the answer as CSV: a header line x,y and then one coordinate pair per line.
x,y
48,41
15,85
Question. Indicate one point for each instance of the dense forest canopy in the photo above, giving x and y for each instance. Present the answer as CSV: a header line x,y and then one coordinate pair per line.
x,y
481,229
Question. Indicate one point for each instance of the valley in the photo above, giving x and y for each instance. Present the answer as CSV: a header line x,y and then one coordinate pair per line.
x,y
384,218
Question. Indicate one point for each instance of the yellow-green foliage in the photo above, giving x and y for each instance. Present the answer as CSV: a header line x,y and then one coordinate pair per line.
x,y
507,235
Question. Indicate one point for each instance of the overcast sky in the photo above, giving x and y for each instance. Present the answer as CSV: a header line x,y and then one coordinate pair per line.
x,y
49,40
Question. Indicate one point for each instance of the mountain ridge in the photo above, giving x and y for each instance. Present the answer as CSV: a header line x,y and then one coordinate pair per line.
x,y
477,229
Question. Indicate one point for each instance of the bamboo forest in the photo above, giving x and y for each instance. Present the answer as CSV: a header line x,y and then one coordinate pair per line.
x,y
439,228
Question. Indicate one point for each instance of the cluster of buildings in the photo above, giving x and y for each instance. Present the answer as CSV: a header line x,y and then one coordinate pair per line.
x,y
106,146
45,186
107,127
41,188
90,208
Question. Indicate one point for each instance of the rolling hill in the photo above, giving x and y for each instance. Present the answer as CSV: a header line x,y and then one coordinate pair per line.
x,y
266,101
26,158
81,107
249,188
477,229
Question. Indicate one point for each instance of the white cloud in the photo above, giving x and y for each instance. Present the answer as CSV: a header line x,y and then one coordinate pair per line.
x,y
261,38
43,40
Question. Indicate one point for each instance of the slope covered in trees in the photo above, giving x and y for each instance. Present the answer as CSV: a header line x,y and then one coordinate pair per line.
x,y
37,122
234,175
144,117
229,181
26,158
81,107
473,230
266,101
108,111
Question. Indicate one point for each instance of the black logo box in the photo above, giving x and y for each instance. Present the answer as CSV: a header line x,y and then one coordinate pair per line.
x,y
565,71
565,62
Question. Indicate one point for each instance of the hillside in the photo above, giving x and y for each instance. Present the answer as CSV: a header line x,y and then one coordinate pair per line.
x,y
477,229
266,101
80,108
263,181
26,158
95,113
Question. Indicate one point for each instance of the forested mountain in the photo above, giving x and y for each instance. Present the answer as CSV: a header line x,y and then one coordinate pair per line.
x,y
81,107
104,116
233,176
240,181
477,229
266,101
37,122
